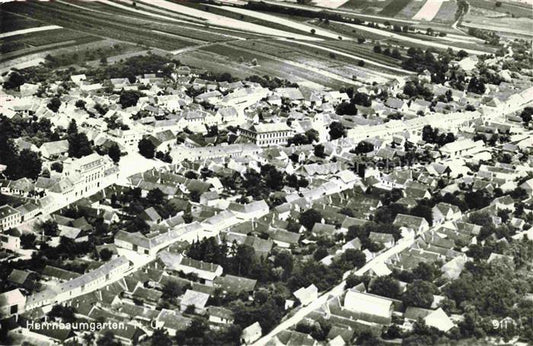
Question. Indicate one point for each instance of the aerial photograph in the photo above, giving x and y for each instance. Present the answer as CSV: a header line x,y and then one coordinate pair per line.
x,y
266,172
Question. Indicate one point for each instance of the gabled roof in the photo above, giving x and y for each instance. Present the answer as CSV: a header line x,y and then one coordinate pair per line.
x,y
235,284
198,299
403,220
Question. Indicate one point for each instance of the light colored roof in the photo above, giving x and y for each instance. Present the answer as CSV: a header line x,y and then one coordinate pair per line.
x,y
368,304
11,298
439,320
198,299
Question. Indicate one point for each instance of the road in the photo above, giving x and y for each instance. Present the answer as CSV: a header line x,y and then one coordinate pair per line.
x,y
334,292
339,289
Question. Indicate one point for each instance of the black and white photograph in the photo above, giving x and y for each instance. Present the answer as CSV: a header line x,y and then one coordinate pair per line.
x,y
266,172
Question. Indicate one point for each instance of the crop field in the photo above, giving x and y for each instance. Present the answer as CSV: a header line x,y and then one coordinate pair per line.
x,y
366,6
512,9
446,12
12,22
266,66
410,9
394,7
39,39
127,29
429,10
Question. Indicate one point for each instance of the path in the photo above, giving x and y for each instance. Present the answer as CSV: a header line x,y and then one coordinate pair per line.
x,y
30,30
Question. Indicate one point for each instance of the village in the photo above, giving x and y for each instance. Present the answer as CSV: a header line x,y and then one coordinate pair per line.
x,y
197,208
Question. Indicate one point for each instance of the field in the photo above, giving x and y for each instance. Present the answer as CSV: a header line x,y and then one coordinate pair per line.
x,y
429,10
394,7
12,22
366,6
507,8
446,12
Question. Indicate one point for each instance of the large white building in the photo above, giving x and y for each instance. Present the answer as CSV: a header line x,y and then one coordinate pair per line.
x,y
266,135
90,174
9,217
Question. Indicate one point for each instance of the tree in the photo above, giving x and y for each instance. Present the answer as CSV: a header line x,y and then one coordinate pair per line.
x,y
129,98
377,49
313,31
80,104
364,147
386,286
155,197
355,257
54,104
320,253
319,150
460,290
476,86
79,145
14,81
160,338
146,148
419,294
106,254
30,164
346,108
27,240
114,152
336,130
396,53
72,128
309,217
50,228
361,40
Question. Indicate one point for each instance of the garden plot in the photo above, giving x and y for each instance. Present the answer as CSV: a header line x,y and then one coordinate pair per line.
x,y
429,10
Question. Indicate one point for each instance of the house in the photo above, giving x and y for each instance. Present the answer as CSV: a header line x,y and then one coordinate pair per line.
x,y
251,334
249,211
433,318
385,239
528,186
445,212
194,299
22,278
411,223
265,135
9,217
504,203
172,321
235,284
221,315
396,103
206,272
369,307
150,215
461,147
12,303
306,295
284,238
53,150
